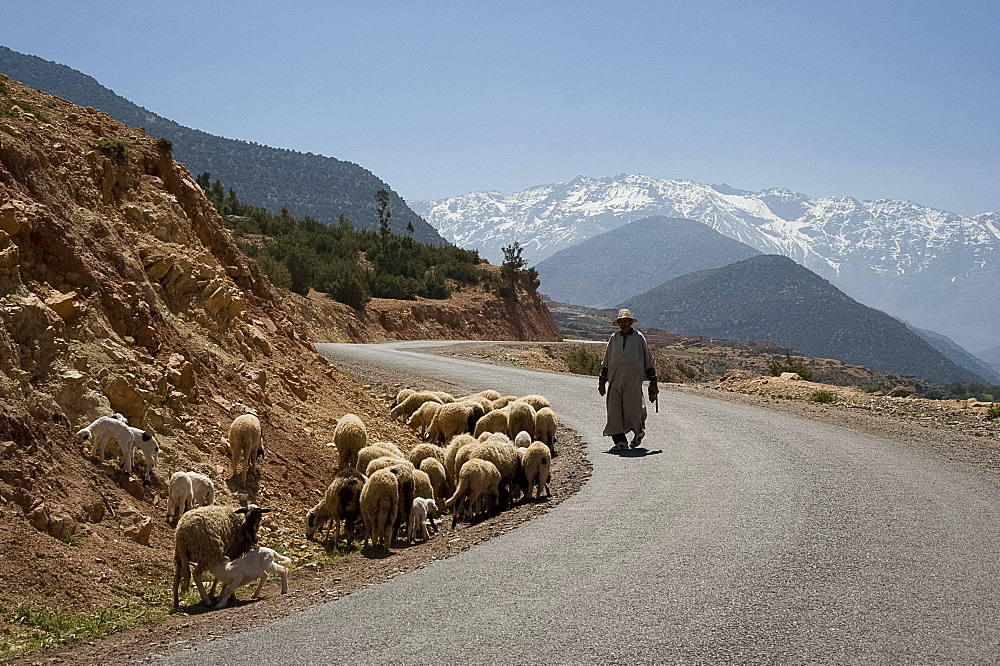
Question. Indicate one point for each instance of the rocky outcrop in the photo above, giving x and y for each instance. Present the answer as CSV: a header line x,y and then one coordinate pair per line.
x,y
469,314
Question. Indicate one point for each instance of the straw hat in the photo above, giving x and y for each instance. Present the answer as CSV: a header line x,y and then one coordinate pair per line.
x,y
624,314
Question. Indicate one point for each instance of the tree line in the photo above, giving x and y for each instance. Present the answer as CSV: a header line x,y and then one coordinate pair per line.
x,y
349,265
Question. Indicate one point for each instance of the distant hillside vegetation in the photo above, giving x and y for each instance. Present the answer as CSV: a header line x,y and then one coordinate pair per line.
x,y
321,187
771,297
349,265
603,271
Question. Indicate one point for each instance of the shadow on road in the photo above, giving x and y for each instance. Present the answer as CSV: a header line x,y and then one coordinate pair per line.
x,y
640,452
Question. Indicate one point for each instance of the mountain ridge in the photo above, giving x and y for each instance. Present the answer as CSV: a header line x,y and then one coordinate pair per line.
x,y
771,297
924,265
635,256
309,184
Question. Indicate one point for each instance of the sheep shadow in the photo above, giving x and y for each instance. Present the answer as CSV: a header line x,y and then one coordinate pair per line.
x,y
376,553
640,452
251,487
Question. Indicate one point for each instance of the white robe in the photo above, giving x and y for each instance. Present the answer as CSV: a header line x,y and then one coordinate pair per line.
x,y
626,369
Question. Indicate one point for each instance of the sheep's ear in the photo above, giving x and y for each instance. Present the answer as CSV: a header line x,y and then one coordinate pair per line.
x,y
242,509
266,510
146,436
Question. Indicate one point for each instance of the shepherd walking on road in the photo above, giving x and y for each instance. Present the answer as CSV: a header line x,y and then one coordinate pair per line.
x,y
627,362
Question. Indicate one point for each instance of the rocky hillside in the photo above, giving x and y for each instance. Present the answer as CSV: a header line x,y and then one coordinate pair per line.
x,y
473,313
603,271
322,187
121,291
771,297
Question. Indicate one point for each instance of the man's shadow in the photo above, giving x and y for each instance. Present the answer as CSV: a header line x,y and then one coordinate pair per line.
x,y
640,452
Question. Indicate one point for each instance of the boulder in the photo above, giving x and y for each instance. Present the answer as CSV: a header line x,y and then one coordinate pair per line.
x,y
124,397
790,376
8,218
900,392
64,305
141,531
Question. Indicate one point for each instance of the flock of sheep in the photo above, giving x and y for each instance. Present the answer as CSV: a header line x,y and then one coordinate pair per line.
x,y
479,453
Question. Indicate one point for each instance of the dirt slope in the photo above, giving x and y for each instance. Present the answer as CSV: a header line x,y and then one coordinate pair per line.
x,y
120,290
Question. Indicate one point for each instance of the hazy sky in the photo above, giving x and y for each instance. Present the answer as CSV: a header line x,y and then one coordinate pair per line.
x,y
874,100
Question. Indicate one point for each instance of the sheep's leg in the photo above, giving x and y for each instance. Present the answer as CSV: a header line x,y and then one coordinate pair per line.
x,y
227,591
260,585
284,579
433,526
200,584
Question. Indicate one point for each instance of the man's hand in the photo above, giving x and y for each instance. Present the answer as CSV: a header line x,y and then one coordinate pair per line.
x,y
653,391
601,385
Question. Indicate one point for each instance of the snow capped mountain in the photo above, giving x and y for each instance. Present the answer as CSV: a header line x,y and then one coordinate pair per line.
x,y
937,269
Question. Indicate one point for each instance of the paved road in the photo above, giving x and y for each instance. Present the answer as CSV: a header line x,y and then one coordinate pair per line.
x,y
754,537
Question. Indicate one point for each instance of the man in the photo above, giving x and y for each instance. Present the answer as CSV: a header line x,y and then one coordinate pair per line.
x,y
627,362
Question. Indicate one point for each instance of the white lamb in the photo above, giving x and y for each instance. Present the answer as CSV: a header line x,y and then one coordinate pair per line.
x,y
422,509
254,565
186,489
106,428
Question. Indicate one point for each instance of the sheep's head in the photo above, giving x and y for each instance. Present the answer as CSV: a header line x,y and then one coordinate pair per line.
x,y
82,435
312,524
253,515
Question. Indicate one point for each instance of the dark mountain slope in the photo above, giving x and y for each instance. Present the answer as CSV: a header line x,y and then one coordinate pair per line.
x,y
958,354
604,270
771,297
321,187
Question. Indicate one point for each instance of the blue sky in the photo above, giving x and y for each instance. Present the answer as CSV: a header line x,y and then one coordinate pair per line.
x,y
873,100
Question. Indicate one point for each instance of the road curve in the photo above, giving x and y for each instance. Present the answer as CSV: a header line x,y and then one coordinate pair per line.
x,y
754,537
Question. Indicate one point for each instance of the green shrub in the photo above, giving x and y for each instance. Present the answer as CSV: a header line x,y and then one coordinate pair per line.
x,y
583,362
993,412
789,364
3,89
117,151
823,397
165,145
275,270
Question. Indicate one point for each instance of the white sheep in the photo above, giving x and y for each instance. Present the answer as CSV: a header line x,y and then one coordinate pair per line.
x,y
401,396
536,461
106,428
422,486
435,471
454,419
502,402
451,451
422,509
522,417
255,565
180,494
423,417
545,427
186,489
424,450
489,394
536,401
350,436
478,479
245,445
495,421
379,507
405,409
205,535
385,462
373,452
499,451
522,440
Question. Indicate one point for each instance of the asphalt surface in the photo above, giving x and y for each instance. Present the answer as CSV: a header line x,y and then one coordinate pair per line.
x,y
748,537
